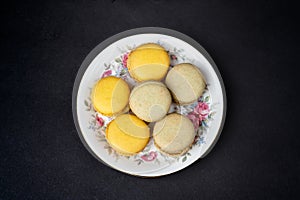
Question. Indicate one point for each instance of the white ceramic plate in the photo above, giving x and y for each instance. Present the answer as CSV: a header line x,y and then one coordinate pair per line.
x,y
109,58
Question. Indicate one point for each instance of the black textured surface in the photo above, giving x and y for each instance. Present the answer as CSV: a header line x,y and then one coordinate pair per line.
x,y
254,44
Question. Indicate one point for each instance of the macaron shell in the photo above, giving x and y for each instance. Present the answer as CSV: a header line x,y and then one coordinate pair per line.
x,y
174,134
148,62
149,72
110,95
119,150
184,138
144,56
133,126
182,90
162,137
186,83
150,101
122,142
120,96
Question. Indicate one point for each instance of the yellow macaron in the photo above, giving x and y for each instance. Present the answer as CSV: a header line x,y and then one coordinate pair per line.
x,y
110,96
127,134
148,62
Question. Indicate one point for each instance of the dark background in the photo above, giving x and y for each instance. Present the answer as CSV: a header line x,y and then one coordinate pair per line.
x,y
255,45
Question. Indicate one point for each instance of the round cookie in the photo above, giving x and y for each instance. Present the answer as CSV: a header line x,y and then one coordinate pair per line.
x,y
186,83
110,96
127,134
150,101
148,62
174,134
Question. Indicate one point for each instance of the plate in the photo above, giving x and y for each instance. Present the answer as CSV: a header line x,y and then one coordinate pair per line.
x,y
109,58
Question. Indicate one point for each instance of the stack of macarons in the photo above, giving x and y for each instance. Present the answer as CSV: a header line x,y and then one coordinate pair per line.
x,y
150,101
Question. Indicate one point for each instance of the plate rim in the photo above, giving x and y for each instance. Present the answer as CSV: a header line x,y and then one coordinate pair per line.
x,y
136,31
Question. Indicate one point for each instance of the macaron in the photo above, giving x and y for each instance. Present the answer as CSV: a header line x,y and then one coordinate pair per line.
x,y
174,134
148,62
127,134
186,83
110,96
150,101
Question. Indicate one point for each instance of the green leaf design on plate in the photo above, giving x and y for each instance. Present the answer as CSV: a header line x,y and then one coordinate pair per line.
x,y
86,103
184,159
206,99
123,72
107,66
129,47
118,60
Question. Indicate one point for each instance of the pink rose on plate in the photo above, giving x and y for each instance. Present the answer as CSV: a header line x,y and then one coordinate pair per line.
x,y
194,119
199,114
106,73
202,109
124,61
149,157
99,120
